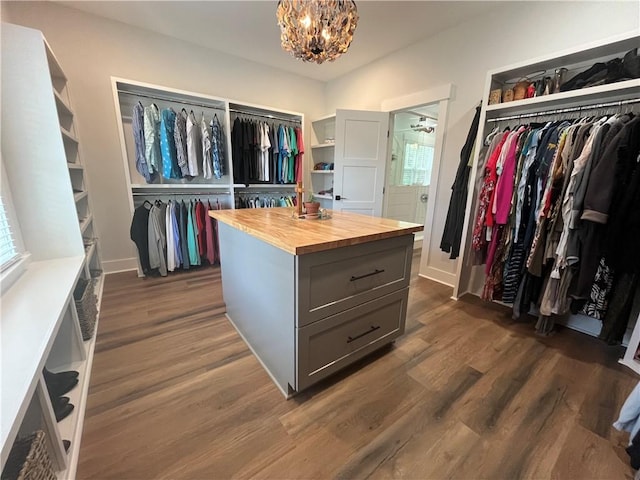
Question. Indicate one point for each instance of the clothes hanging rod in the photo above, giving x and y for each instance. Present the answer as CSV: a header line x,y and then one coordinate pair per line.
x,y
172,99
164,194
272,117
594,106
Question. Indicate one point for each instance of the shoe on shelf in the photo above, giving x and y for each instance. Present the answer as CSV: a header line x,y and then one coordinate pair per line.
x,y
66,444
48,375
62,408
57,388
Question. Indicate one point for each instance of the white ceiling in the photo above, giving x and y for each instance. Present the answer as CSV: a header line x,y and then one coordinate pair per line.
x,y
248,29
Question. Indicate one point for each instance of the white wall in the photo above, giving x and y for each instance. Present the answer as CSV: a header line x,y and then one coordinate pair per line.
x,y
92,49
461,56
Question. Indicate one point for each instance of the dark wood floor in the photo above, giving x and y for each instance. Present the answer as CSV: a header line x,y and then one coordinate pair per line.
x,y
465,394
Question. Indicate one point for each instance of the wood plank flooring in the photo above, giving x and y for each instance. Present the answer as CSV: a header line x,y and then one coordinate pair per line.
x,y
464,394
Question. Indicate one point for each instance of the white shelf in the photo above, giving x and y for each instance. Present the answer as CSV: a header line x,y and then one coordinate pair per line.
x,y
75,166
85,223
71,427
63,107
29,329
324,145
79,196
322,172
323,197
99,288
54,65
604,93
331,116
67,135
178,186
90,252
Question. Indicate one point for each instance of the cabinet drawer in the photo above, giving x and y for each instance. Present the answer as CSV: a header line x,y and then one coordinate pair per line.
x,y
333,343
332,281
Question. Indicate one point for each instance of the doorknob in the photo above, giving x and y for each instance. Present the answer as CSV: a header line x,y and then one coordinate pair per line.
x,y
338,197
424,197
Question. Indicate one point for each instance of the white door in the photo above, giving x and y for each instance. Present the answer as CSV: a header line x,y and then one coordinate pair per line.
x,y
360,158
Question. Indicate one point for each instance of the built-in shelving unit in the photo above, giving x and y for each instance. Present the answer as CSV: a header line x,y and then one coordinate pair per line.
x,y
324,130
469,279
40,325
126,93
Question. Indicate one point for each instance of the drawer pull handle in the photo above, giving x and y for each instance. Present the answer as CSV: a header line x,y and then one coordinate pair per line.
x,y
375,272
371,330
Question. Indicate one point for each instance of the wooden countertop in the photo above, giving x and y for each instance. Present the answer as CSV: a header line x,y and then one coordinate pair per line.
x,y
299,236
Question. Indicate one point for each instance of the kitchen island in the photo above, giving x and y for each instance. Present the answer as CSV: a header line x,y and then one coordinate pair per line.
x,y
310,297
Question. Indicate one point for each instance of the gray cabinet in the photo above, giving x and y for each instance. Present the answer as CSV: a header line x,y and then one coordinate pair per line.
x,y
308,316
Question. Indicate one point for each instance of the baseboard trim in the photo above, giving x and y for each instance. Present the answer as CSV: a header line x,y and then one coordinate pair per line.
x,y
439,276
121,265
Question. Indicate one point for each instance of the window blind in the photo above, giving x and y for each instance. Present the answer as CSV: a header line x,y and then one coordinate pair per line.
x,y
8,251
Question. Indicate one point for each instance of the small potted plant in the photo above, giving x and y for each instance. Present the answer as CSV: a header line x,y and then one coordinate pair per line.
x,y
311,206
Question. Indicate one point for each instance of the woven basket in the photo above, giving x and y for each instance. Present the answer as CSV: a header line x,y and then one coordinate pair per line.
x,y
29,460
86,306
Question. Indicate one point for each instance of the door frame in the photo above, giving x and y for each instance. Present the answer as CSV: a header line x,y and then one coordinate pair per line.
x,y
441,95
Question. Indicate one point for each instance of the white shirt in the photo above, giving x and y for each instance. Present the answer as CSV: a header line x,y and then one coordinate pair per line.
x,y
192,145
171,259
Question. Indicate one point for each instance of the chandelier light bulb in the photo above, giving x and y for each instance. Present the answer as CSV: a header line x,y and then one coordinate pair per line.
x,y
317,30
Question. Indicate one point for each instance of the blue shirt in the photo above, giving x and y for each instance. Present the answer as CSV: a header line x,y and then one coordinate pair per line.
x,y
168,144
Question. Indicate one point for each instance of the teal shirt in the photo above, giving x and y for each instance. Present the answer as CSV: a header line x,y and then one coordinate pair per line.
x,y
192,237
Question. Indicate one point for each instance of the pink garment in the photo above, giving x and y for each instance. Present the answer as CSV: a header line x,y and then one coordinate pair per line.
x,y
504,188
210,240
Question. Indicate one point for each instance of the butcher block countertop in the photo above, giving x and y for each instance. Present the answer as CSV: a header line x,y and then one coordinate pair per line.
x,y
301,236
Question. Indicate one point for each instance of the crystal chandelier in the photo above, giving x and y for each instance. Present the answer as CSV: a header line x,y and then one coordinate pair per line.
x,y
317,30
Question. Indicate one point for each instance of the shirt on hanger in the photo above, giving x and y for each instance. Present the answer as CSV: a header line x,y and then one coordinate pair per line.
x,y
205,137
168,144
137,125
152,138
180,137
193,156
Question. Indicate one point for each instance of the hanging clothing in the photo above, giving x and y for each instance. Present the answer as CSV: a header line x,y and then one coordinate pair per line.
x,y
184,235
452,234
171,259
300,155
557,217
139,233
205,138
157,238
170,167
201,220
194,160
211,252
152,138
180,137
137,125
217,148
175,225
192,235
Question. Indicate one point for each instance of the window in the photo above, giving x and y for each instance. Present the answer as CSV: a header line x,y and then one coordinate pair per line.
x,y
13,258
418,160
8,251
